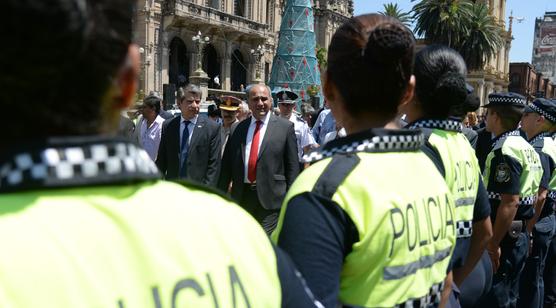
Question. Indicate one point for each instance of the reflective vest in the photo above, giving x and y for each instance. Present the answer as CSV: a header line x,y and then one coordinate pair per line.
x,y
404,214
142,245
513,145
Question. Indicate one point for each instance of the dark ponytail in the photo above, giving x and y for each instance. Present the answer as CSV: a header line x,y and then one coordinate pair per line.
x,y
440,81
370,60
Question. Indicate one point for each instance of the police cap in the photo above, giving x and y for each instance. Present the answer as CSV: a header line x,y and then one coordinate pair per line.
x,y
544,107
229,103
286,97
506,99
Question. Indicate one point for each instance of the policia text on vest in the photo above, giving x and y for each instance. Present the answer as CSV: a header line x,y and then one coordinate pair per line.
x,y
191,287
421,222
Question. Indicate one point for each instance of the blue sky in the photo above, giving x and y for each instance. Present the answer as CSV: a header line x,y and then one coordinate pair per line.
x,y
522,46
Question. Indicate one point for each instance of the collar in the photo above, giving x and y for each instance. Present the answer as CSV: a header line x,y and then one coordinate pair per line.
x,y
192,121
75,162
448,124
539,137
376,140
265,120
505,135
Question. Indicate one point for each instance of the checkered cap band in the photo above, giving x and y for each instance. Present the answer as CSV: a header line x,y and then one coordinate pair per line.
x,y
542,112
389,143
76,163
552,195
449,125
507,100
529,200
464,229
432,299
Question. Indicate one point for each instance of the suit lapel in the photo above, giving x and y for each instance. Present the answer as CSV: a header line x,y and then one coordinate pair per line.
x,y
201,121
267,135
242,129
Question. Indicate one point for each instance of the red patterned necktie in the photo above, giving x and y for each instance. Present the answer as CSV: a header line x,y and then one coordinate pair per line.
x,y
253,154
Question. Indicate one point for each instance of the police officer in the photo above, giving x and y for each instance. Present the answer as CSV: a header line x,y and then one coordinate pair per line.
x,y
372,222
537,120
229,108
286,103
86,220
512,175
440,92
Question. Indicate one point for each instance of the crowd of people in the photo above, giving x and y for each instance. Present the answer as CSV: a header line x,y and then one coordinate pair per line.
x,y
390,196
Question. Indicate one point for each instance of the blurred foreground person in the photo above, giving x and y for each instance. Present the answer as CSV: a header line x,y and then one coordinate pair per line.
x,y
90,223
441,92
372,222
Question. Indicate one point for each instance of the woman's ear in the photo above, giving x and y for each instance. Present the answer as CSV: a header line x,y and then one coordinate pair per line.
x,y
124,87
408,95
328,88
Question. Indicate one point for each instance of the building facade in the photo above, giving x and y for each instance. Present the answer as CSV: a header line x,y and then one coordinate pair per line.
x,y
494,77
525,80
231,30
544,46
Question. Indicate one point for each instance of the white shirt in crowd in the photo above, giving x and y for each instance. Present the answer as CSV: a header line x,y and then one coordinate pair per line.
x,y
334,135
250,133
150,136
302,134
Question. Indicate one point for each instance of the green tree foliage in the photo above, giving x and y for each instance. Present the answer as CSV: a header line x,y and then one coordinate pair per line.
x,y
463,25
393,10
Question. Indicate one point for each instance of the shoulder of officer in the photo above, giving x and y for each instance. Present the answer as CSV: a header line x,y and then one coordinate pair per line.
x,y
299,119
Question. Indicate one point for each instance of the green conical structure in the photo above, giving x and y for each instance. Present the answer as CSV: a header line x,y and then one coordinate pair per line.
x,y
295,65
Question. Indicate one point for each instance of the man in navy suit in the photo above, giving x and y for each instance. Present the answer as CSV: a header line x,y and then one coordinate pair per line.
x,y
260,160
190,144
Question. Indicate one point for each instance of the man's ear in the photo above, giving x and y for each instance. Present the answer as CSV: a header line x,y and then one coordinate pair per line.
x,y
328,88
126,80
409,93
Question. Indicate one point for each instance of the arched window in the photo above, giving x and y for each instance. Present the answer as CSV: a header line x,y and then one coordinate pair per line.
x,y
211,65
239,71
215,4
178,68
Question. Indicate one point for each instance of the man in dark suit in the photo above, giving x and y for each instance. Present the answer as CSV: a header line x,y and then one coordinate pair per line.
x,y
190,144
260,160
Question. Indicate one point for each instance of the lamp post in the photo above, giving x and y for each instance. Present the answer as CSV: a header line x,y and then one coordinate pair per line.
x,y
200,42
258,55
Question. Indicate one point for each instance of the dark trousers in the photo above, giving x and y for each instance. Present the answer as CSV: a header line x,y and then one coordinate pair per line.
x,y
531,290
505,285
250,202
550,274
477,284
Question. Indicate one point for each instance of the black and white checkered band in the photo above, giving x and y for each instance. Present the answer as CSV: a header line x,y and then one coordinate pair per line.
x,y
450,125
539,137
432,299
507,100
402,140
76,165
542,112
552,195
464,228
500,139
529,200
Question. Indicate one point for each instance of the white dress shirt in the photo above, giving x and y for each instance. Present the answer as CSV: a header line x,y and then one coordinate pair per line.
x,y
250,133
302,134
150,136
190,127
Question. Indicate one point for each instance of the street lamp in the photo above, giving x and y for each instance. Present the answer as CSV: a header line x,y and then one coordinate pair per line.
x,y
258,55
200,42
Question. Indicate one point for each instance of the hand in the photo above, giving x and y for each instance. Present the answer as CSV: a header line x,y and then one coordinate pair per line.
x,y
494,254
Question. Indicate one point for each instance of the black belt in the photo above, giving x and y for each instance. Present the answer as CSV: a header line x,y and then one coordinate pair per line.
x,y
250,186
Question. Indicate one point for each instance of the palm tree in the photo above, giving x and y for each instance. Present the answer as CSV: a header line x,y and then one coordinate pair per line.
x,y
484,37
441,21
393,10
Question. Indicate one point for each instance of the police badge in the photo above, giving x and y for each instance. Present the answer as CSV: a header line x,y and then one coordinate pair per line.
x,y
502,173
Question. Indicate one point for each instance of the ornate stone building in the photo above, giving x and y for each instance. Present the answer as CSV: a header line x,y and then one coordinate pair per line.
x,y
164,29
544,45
494,77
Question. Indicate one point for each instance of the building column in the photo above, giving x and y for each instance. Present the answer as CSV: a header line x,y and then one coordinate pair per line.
x,y
165,61
226,71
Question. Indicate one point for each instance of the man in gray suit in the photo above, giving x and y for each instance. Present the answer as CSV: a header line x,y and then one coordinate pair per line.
x,y
260,160
190,144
